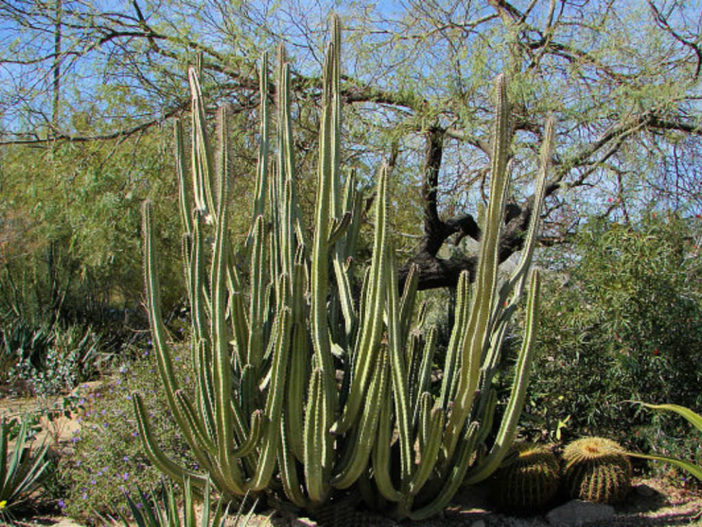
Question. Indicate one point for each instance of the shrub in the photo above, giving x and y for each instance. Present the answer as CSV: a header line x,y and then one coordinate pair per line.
x,y
621,321
108,459
67,358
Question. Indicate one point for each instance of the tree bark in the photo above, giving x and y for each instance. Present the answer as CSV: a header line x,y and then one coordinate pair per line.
x,y
434,271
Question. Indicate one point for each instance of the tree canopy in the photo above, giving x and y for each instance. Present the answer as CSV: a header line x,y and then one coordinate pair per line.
x,y
622,80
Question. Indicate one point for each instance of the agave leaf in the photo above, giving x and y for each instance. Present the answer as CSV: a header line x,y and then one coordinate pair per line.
x,y
685,465
694,418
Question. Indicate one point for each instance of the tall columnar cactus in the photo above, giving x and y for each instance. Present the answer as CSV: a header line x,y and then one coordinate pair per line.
x,y
303,389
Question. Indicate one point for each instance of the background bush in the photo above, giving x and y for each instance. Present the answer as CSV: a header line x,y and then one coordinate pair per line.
x,y
622,320
108,458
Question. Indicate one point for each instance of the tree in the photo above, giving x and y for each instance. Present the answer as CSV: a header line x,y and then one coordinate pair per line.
x,y
621,80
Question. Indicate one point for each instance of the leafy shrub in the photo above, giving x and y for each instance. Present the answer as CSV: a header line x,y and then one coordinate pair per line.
x,y
53,360
622,321
21,342
108,459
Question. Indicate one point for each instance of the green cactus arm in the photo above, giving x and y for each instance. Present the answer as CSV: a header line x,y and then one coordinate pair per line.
x,y
508,426
201,154
424,375
338,228
315,438
154,453
521,271
478,323
203,449
237,317
491,358
380,455
158,330
353,202
487,413
274,401
153,305
288,468
335,96
451,360
322,402
429,454
319,276
292,220
426,405
262,163
251,441
205,389
186,214
367,427
371,323
298,373
257,295
399,375
200,432
221,360
504,306
197,286
409,294
414,361
343,249
454,480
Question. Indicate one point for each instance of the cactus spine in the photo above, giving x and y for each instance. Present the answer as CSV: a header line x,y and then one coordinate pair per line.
x,y
528,479
267,403
596,469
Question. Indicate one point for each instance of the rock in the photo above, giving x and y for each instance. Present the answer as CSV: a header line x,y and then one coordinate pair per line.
x,y
66,522
304,522
479,523
577,513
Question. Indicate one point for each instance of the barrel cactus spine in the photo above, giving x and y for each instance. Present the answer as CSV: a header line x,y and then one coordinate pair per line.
x,y
267,412
528,480
596,469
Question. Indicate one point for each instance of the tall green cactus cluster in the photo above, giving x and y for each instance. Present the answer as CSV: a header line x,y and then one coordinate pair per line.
x,y
302,389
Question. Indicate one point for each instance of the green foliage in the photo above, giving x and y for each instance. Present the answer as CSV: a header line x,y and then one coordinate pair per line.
x,y
69,245
107,457
22,468
161,509
269,347
622,321
58,362
596,469
22,342
528,479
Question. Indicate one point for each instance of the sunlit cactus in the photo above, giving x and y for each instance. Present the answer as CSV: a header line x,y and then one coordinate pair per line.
x,y
302,389
596,469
